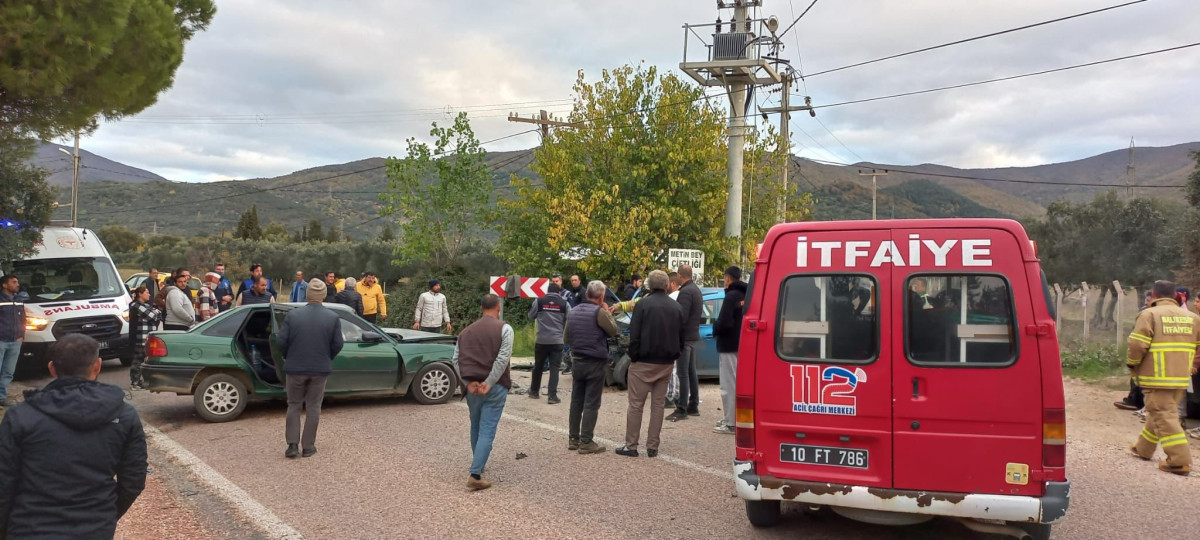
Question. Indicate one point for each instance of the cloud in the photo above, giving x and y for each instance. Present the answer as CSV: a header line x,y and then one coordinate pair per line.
x,y
277,86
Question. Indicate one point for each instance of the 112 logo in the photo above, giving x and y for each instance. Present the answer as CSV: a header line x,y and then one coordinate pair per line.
x,y
828,390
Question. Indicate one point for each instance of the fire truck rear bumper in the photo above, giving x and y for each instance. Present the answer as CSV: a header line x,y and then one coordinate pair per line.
x,y
1050,508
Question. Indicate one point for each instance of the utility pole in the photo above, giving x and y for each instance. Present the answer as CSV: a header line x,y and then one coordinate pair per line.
x,y
786,109
543,120
74,181
733,61
1129,172
874,188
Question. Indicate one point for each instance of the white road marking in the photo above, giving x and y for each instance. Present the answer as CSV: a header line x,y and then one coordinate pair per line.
x,y
263,518
727,475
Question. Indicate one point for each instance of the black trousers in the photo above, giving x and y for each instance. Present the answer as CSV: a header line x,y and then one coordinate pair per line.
x,y
1135,397
587,387
372,318
542,353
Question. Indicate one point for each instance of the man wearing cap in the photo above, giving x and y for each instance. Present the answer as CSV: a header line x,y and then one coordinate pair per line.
x,y
432,310
550,312
308,339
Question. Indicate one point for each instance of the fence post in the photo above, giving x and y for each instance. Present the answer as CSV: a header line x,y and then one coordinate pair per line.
x,y
1117,309
1057,309
1086,321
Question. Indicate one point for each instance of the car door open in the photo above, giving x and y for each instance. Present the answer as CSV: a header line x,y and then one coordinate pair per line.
x,y
278,313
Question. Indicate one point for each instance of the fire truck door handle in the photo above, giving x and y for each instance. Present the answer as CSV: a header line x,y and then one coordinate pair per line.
x,y
916,388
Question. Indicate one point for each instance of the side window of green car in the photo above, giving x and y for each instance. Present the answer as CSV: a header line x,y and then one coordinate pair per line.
x,y
226,325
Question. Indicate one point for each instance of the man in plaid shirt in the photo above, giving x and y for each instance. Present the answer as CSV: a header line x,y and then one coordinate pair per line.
x,y
209,307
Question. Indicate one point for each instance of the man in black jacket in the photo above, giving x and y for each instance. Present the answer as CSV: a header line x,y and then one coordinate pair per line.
x,y
350,297
655,341
692,302
73,455
728,331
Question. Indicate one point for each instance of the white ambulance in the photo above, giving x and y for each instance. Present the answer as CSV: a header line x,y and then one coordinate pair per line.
x,y
73,288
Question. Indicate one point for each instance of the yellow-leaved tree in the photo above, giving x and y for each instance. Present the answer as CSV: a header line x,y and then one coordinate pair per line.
x,y
641,170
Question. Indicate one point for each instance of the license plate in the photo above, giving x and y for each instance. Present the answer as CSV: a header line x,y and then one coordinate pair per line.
x,y
103,344
824,455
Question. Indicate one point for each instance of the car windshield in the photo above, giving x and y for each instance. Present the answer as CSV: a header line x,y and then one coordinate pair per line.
x,y
56,280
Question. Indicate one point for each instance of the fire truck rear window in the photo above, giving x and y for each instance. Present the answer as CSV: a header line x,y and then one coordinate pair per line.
x,y
828,318
959,320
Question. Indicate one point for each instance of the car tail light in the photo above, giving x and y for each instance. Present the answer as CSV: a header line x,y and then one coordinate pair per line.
x,y
744,421
1054,438
155,347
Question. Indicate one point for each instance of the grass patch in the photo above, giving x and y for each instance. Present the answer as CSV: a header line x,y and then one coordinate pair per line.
x,y
1093,361
524,338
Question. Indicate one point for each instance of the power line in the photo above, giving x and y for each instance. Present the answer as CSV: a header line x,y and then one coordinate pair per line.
x,y
1001,79
1007,180
802,14
985,36
835,137
488,106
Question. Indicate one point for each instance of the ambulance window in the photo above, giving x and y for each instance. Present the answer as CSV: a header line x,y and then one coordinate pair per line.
x,y
828,318
956,320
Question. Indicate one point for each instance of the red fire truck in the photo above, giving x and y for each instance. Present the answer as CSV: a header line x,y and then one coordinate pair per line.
x,y
898,370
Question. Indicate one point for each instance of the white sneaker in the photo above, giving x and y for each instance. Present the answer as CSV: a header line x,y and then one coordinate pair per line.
x,y
721,423
727,430
1194,433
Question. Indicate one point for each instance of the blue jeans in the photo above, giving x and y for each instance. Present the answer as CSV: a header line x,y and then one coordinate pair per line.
x,y
10,351
485,418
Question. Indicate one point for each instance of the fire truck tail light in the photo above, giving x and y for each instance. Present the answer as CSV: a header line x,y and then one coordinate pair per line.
x,y
155,347
744,422
1054,438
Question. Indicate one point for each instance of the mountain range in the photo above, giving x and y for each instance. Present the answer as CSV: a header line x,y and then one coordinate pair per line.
x,y
345,196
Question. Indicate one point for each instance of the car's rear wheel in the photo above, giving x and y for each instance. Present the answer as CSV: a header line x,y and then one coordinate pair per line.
x,y
434,384
220,397
763,513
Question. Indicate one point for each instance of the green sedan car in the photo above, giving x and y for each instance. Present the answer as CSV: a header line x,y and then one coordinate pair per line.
x,y
230,359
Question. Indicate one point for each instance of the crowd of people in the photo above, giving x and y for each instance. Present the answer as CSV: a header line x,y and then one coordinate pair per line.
x,y
172,305
578,321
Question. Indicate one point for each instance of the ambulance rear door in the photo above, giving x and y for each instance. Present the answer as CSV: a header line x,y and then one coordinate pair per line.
x,y
967,384
822,377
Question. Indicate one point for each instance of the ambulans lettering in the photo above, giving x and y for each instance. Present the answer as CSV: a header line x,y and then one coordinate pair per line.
x,y
855,253
81,307
828,390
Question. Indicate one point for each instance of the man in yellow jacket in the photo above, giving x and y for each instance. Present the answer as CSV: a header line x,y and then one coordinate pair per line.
x,y
1162,355
374,301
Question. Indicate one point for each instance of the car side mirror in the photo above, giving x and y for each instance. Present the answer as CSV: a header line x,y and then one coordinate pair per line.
x,y
372,337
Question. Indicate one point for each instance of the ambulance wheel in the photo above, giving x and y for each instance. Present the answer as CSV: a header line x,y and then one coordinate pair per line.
x,y
763,513
1036,531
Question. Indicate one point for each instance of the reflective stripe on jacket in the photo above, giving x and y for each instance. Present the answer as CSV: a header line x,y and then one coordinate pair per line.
x,y
1162,345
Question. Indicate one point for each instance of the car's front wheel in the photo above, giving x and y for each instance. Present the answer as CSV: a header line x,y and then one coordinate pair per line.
x,y
434,384
220,397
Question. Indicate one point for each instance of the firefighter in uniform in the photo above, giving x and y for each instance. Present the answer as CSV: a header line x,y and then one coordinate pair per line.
x,y
1162,351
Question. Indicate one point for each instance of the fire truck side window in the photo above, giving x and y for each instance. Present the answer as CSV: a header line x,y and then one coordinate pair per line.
x,y
828,318
957,320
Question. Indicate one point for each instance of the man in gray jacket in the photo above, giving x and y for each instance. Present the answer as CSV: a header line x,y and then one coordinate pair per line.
x,y
550,312
309,339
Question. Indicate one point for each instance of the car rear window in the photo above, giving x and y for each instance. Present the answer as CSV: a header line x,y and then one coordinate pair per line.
x,y
959,320
225,324
828,318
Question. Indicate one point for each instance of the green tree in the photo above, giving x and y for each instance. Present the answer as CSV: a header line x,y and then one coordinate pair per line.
x,y
119,238
276,232
388,234
315,232
1193,183
28,200
642,170
63,67
248,227
439,194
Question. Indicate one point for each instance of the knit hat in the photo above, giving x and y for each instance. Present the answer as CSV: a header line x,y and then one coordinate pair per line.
x,y
316,291
212,278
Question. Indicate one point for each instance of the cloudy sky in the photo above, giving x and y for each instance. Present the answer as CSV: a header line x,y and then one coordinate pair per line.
x,y
275,86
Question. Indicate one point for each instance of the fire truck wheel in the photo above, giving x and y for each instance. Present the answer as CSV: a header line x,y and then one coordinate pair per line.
x,y
763,513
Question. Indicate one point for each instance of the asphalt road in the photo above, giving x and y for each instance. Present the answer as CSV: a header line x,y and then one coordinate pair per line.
x,y
390,468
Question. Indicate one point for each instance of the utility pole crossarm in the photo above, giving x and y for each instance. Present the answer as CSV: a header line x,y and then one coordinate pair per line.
x,y
543,120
